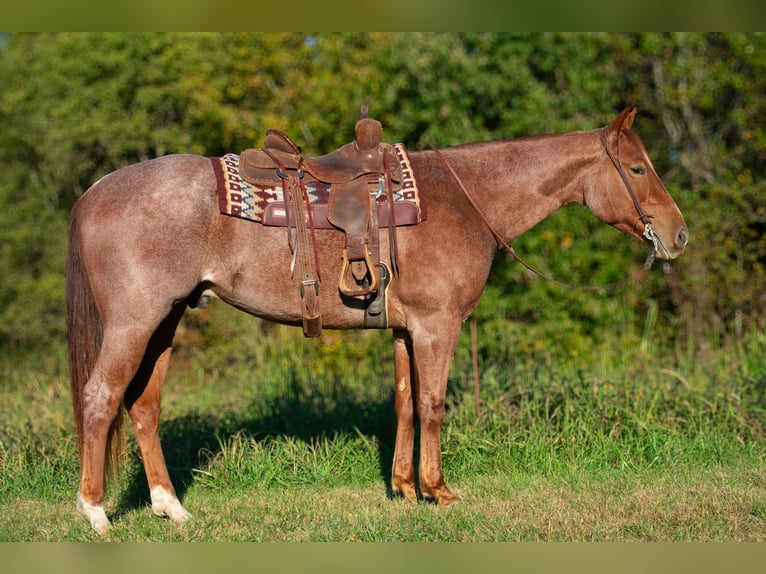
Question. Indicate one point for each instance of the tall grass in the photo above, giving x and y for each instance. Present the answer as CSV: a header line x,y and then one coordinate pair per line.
x,y
259,427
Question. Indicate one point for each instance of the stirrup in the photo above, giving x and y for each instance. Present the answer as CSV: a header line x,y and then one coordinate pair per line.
x,y
359,290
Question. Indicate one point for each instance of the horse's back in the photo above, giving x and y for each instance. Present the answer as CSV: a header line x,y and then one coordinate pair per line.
x,y
155,180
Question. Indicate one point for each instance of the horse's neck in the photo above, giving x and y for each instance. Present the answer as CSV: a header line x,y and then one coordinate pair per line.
x,y
518,183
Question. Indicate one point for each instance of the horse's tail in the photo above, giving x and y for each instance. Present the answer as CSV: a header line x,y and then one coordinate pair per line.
x,y
84,336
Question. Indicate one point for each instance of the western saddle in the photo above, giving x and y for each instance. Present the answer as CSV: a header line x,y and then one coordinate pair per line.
x,y
358,174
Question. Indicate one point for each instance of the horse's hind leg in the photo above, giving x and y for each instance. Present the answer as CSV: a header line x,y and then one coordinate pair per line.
x,y
118,360
142,400
403,473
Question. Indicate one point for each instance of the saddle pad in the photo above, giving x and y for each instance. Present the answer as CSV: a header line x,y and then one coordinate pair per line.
x,y
265,204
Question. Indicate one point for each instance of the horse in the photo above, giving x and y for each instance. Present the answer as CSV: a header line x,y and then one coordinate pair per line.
x,y
147,240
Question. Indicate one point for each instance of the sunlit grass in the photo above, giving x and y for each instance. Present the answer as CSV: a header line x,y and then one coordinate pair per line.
x,y
282,439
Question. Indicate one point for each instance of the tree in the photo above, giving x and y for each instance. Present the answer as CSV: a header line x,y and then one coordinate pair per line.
x,y
76,106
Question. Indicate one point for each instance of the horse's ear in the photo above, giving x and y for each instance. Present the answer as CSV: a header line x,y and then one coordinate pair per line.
x,y
624,121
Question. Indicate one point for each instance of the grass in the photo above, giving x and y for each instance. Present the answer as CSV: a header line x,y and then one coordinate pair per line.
x,y
279,439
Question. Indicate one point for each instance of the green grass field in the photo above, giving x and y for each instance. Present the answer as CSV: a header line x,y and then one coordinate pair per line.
x,y
281,439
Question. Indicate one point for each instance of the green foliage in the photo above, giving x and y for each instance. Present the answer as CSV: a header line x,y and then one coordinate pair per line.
x,y
448,89
76,106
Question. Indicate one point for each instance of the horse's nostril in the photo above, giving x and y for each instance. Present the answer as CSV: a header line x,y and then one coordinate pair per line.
x,y
683,237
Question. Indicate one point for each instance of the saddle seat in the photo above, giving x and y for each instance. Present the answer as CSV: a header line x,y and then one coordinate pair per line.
x,y
353,160
355,173
363,156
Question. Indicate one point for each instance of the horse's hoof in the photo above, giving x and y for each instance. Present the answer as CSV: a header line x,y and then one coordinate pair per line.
x,y
167,505
448,499
442,496
406,490
95,515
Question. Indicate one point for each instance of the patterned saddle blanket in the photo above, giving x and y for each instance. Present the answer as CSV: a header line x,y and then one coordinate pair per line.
x,y
265,203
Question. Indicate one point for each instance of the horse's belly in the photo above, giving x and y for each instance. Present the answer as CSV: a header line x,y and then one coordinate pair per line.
x,y
250,267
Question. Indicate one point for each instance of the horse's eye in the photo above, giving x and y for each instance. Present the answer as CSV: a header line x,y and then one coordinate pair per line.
x,y
638,170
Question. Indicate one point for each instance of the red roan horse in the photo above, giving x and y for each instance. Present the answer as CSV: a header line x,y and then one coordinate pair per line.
x,y
133,268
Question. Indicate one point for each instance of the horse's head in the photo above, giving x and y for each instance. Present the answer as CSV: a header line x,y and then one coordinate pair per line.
x,y
634,200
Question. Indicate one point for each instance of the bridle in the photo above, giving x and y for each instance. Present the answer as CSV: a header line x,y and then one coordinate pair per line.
x,y
645,218
649,234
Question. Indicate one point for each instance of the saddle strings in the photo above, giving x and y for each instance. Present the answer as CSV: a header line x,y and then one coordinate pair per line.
x,y
282,172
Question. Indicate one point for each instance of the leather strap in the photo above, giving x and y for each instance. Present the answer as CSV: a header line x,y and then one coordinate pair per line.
x,y
389,189
502,243
309,287
643,217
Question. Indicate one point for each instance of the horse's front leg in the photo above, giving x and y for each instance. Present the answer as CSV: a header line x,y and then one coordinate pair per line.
x,y
433,346
403,471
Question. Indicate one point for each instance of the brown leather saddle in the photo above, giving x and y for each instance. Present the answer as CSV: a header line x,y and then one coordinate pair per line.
x,y
358,174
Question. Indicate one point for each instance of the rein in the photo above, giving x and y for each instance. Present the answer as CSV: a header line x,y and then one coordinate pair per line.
x,y
643,217
500,241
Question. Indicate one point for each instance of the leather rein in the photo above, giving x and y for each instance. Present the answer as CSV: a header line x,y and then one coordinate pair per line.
x,y
648,234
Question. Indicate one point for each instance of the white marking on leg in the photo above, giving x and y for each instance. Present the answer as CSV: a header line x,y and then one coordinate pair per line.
x,y
95,514
167,505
